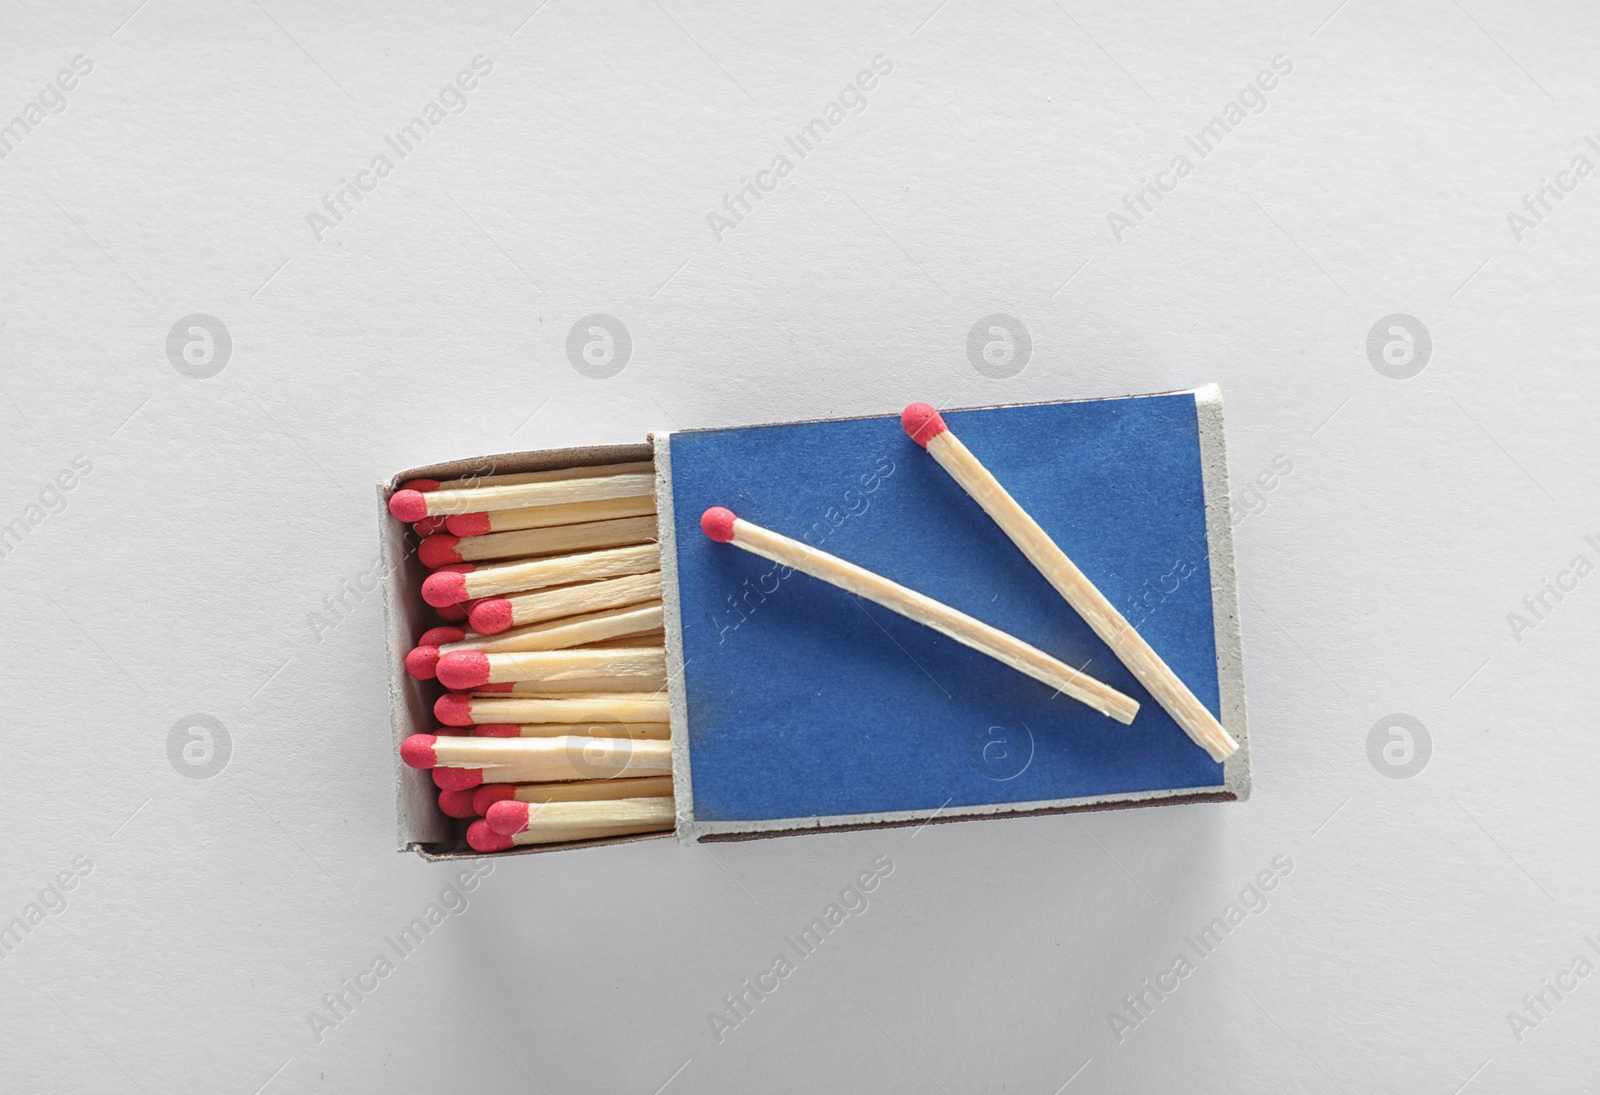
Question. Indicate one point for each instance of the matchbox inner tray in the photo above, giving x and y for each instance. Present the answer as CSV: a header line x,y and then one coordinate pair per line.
x,y
796,707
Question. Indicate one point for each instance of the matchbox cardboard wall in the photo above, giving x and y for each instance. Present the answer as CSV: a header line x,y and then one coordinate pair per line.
x,y
797,708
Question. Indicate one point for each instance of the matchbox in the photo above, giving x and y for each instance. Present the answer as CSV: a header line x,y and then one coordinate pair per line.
x,y
795,706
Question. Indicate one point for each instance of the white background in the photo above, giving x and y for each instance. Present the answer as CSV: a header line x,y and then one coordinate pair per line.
x,y
184,571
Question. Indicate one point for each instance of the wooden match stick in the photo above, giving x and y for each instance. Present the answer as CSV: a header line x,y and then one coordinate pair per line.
x,y
511,816
577,686
583,790
484,839
492,615
441,550
467,669
410,505
568,757
651,731
634,621
469,582
721,525
454,710
927,428
570,513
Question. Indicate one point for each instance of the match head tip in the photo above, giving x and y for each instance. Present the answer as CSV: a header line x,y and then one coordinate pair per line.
x,y
491,615
489,794
445,587
497,730
484,839
438,550
453,710
717,523
457,779
458,803
421,486
507,817
428,526
467,524
922,423
438,636
463,669
408,505
417,751
423,662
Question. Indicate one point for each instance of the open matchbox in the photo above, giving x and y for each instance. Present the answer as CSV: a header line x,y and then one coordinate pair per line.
x,y
797,708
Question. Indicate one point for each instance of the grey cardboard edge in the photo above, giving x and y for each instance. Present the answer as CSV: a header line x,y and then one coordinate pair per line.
x,y
421,827
1224,587
712,830
1230,682
672,619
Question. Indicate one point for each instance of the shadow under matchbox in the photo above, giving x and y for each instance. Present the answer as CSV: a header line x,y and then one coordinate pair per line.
x,y
796,706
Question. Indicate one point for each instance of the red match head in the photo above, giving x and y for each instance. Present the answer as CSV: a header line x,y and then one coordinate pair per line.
x,y
497,730
458,803
490,615
922,423
423,662
428,526
457,779
452,614
438,551
484,839
717,523
467,524
463,669
507,817
447,586
417,751
453,709
421,486
408,505
438,636
489,794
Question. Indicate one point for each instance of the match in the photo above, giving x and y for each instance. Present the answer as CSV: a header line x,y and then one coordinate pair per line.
x,y
510,817
592,627
724,527
563,758
569,513
441,550
459,582
481,838
466,669
583,686
411,505
456,710
492,615
588,790
927,428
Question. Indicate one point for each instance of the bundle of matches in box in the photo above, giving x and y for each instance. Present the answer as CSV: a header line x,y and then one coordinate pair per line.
x,y
549,583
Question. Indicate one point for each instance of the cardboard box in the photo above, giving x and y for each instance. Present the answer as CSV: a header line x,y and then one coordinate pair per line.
x,y
795,708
